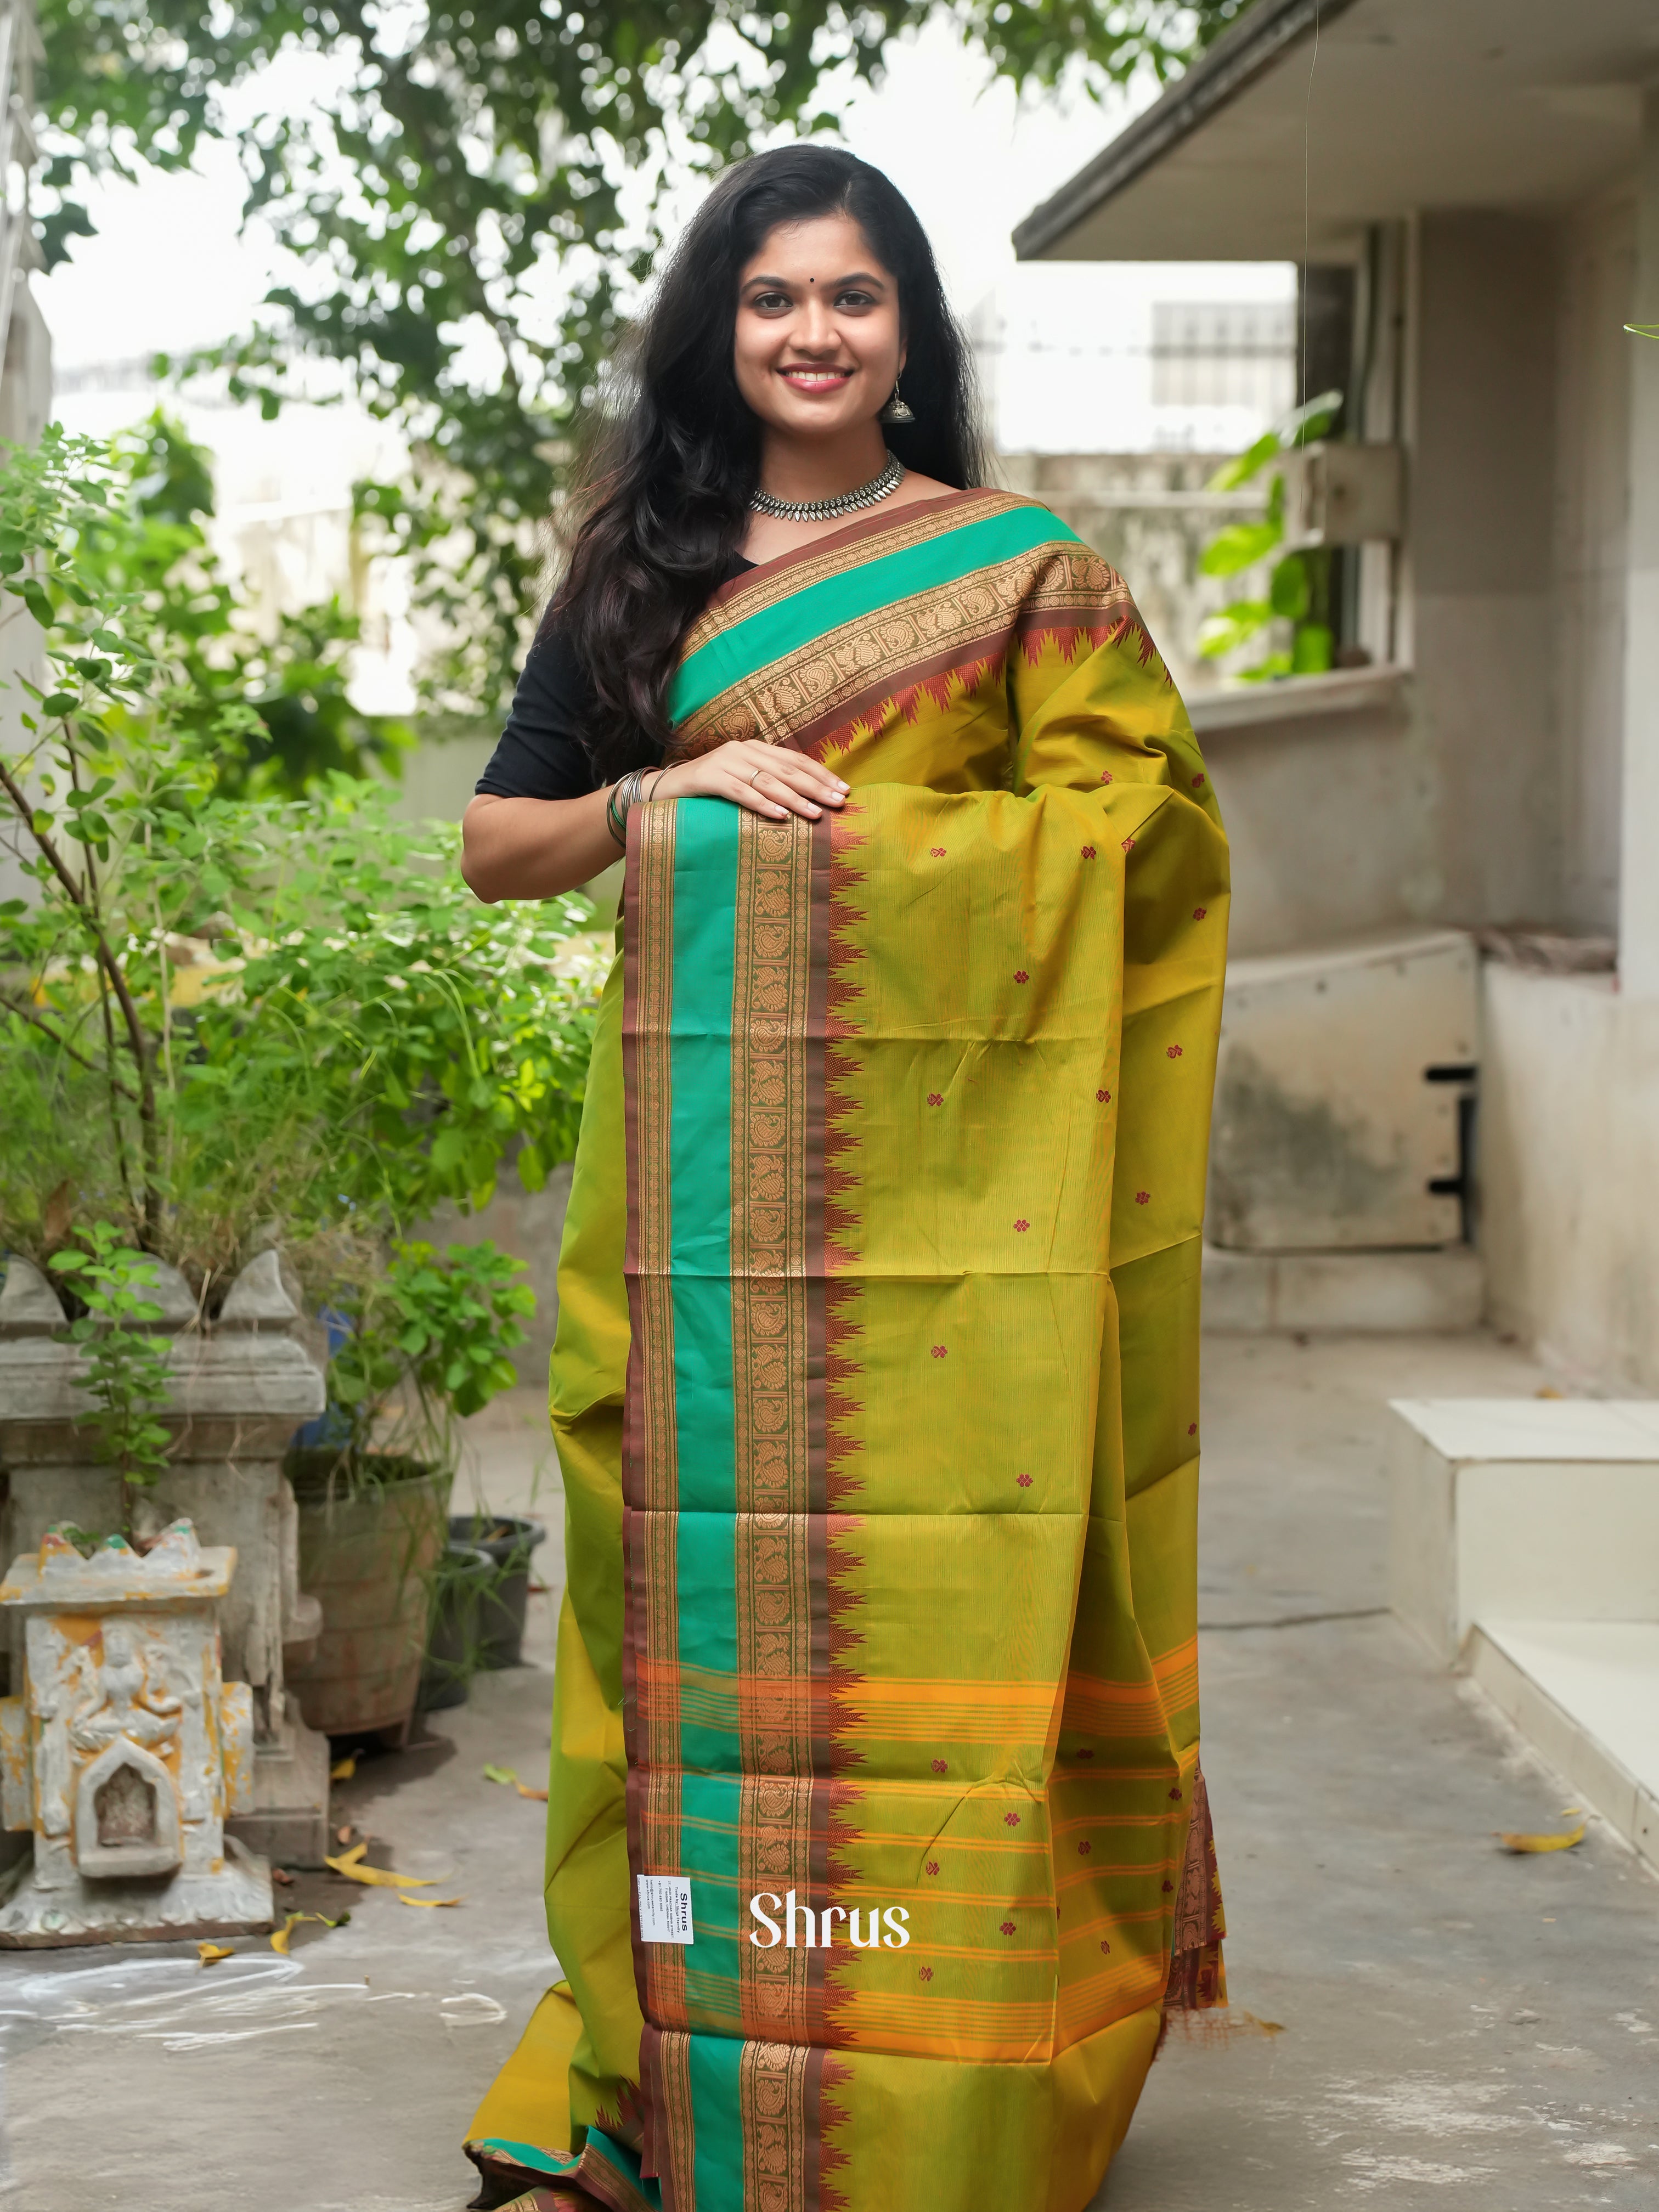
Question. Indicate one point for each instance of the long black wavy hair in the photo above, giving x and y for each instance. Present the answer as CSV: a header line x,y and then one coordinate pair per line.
x,y
660,503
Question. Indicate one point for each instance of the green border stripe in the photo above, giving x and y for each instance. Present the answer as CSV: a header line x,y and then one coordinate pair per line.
x,y
706,834
717,2100
773,631
700,1151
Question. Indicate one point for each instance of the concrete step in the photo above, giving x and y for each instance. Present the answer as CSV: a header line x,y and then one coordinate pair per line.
x,y
1586,1693
1367,1293
1522,1508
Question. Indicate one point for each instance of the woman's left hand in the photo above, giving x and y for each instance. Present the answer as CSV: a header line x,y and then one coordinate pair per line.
x,y
769,780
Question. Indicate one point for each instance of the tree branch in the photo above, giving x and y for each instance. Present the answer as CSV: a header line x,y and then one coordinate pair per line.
x,y
107,958
116,979
27,1013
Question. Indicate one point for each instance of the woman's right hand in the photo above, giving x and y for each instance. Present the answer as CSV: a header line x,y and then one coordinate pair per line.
x,y
769,780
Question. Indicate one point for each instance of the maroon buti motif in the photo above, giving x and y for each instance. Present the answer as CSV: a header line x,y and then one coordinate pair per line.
x,y
1024,1480
1022,1226
1007,1928
1192,1428
1142,1197
933,1866
1083,1849
937,852
1199,913
1088,853
1020,976
924,1973
1105,775
940,1351
1198,783
1172,1052
1129,844
1011,1819
1105,1097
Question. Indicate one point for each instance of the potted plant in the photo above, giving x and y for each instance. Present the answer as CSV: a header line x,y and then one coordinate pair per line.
x,y
236,1021
423,1341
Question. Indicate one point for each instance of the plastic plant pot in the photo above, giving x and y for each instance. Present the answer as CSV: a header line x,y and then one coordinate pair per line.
x,y
509,1539
460,1590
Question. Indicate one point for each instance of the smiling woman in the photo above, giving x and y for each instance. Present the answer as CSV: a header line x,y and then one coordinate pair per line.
x,y
764,406
875,1383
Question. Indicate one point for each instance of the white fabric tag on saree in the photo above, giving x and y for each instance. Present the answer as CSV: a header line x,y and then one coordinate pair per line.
x,y
664,1908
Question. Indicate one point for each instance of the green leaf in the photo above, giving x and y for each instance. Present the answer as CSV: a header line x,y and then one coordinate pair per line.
x,y
1289,592
1233,627
1240,546
1247,465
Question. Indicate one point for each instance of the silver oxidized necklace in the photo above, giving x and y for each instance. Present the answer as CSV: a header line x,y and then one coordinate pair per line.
x,y
827,510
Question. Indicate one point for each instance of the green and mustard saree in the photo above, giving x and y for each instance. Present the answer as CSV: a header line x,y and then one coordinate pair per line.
x,y
877,1846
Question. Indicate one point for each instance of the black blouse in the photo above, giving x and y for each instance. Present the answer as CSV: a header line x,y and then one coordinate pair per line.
x,y
543,752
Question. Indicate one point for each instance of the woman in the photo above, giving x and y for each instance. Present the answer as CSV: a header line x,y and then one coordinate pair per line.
x,y
876,1843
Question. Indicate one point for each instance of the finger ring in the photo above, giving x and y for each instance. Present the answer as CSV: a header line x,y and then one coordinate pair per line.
x,y
758,773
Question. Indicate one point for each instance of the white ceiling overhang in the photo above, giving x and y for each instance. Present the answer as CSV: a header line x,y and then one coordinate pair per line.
x,y
1282,146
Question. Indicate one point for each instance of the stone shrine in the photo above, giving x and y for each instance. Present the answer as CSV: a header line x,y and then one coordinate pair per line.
x,y
126,1748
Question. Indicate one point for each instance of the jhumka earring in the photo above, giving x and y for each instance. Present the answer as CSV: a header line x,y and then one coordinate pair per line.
x,y
896,411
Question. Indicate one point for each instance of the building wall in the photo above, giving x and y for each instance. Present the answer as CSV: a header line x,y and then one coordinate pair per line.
x,y
1569,1172
1445,804
1481,432
1569,1143
1330,820
1597,260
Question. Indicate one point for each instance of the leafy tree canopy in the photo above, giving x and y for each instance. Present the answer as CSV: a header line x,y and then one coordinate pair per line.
x,y
479,190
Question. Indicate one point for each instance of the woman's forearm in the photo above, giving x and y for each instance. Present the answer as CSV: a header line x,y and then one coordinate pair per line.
x,y
534,849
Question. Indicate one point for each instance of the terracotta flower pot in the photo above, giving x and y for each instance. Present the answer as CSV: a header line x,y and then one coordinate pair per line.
x,y
371,1534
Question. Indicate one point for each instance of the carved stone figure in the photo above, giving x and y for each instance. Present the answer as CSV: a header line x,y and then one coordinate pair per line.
x,y
126,1748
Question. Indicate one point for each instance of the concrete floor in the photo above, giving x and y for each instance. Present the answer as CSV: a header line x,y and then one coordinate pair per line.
x,y
1450,2027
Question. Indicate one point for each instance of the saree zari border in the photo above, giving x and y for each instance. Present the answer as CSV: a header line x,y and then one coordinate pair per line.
x,y
651,1698
951,632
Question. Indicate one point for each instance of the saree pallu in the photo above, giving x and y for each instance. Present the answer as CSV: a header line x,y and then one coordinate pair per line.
x,y
876,1395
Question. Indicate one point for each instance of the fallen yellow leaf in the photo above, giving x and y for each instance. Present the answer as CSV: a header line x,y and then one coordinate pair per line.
x,y
279,1939
1562,1843
524,1790
211,1954
343,1769
350,1858
376,1877
431,1904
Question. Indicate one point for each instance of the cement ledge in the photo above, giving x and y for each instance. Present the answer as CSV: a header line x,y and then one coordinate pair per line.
x,y
1346,692
1383,1293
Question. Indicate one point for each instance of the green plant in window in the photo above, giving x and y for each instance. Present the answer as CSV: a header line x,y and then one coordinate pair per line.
x,y
1298,584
